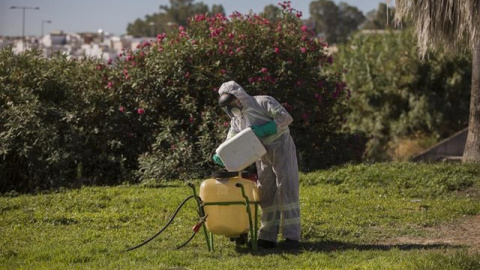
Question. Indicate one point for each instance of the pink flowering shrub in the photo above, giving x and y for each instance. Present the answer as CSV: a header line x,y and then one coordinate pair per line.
x,y
175,79
152,113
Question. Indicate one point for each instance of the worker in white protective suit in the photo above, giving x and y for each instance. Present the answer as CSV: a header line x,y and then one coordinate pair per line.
x,y
277,170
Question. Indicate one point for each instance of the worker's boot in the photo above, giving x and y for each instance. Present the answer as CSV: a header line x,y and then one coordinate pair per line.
x,y
266,244
289,244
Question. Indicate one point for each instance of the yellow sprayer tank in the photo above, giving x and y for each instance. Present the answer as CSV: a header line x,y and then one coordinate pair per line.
x,y
217,194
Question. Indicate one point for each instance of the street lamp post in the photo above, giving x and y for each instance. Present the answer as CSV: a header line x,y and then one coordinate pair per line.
x,y
24,8
45,21
152,24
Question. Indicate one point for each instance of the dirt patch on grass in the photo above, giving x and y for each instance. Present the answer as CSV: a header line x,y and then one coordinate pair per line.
x,y
465,232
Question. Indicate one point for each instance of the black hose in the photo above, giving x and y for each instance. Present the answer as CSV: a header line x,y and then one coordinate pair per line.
x,y
188,241
169,222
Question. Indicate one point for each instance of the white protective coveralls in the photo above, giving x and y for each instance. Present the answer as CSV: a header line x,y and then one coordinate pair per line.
x,y
277,170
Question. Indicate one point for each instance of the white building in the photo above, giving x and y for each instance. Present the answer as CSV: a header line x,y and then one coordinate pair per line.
x,y
99,45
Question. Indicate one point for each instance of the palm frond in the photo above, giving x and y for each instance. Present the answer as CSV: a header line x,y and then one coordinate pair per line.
x,y
448,24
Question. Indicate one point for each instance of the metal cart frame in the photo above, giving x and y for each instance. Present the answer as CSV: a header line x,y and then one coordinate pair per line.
x,y
253,221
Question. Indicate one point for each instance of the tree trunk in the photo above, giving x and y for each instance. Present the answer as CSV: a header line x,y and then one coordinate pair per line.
x,y
472,145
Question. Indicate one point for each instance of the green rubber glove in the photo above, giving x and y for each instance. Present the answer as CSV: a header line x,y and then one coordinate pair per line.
x,y
269,128
217,160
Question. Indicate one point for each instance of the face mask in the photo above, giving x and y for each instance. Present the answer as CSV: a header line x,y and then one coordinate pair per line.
x,y
236,111
232,111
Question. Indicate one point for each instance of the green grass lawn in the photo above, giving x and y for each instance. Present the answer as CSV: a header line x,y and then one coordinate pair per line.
x,y
347,212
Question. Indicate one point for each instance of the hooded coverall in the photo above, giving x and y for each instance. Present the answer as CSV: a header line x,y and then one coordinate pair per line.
x,y
277,170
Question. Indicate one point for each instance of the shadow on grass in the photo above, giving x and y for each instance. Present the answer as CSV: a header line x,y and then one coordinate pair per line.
x,y
327,247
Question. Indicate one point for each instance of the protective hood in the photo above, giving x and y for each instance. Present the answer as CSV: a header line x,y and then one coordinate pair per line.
x,y
235,89
256,110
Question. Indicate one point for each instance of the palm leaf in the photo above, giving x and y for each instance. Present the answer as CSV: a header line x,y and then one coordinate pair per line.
x,y
449,24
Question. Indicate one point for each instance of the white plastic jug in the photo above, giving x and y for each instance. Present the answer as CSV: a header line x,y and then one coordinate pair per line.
x,y
241,151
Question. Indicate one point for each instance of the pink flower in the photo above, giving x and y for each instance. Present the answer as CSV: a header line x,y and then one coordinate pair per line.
x,y
182,32
270,79
303,49
140,111
222,71
330,60
304,28
320,84
299,14
199,17
109,61
277,50
110,85
305,116
335,94
235,15
191,119
122,109
187,75
160,37
285,5
288,107
264,70
251,80
341,86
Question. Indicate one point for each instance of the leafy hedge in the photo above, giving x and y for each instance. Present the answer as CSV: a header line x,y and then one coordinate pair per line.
x,y
152,113
58,127
396,95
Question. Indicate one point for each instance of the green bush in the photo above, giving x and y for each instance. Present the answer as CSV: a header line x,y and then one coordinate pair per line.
x,y
397,95
59,126
152,113
175,79
35,136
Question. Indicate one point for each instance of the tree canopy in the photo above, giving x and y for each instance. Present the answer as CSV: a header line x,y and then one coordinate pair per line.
x,y
447,25
176,14
335,23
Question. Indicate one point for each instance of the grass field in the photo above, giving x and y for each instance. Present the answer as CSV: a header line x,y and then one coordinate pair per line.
x,y
351,217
